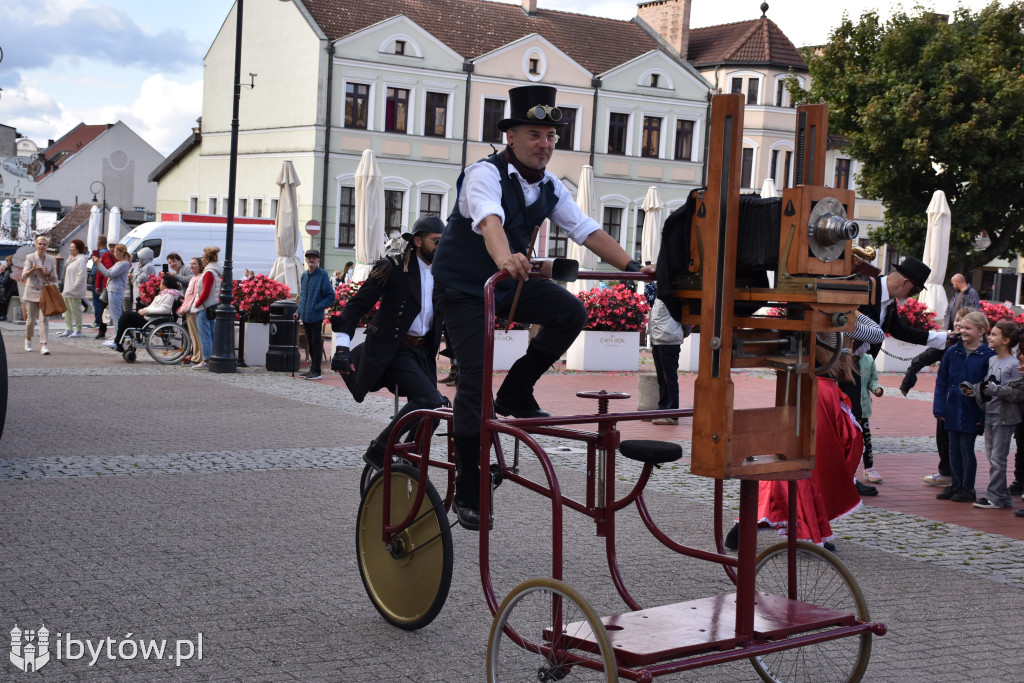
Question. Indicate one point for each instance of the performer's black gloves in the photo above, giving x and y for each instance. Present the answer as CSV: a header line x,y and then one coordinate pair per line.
x,y
633,267
341,363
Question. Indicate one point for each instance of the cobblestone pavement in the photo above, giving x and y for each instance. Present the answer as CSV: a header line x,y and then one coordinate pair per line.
x,y
171,523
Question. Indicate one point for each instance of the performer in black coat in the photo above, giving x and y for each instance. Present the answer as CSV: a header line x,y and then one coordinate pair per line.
x,y
402,339
906,279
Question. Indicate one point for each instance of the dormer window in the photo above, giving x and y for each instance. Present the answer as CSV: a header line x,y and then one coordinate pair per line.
x,y
534,65
654,80
399,47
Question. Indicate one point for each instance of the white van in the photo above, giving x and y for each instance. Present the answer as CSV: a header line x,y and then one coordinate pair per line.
x,y
254,246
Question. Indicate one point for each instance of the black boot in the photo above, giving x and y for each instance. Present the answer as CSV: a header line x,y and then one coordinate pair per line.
x,y
732,539
467,483
515,397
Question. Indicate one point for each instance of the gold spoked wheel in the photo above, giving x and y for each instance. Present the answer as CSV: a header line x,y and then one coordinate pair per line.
x,y
408,579
824,581
523,646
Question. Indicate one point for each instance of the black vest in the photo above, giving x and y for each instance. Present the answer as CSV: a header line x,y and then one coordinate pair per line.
x,y
462,262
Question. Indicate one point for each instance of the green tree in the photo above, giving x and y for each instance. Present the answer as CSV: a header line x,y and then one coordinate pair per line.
x,y
928,105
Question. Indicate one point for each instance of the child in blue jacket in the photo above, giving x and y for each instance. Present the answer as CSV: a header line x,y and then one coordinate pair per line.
x,y
964,363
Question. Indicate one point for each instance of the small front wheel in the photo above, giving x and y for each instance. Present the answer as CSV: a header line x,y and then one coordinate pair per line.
x,y
524,646
407,578
822,580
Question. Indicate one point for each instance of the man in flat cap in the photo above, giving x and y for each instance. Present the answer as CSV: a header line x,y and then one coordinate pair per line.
x,y
315,296
502,199
402,339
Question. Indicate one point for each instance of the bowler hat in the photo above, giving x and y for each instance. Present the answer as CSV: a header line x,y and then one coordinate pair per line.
x,y
532,105
425,224
914,270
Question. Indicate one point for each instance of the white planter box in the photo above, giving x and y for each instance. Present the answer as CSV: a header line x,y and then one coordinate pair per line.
x,y
509,347
257,341
885,363
689,353
604,351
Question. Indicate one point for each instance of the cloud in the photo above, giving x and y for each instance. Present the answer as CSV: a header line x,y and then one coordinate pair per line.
x,y
53,31
163,112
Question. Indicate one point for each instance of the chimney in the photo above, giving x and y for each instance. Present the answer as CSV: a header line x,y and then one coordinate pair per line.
x,y
670,19
530,7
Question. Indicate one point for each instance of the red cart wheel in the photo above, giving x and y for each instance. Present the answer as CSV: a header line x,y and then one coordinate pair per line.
x,y
824,581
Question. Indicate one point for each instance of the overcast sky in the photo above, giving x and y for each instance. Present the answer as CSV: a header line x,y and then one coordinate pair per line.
x,y
141,61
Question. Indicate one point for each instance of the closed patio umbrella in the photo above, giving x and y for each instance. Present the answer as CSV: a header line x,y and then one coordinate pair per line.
x,y
936,253
25,221
5,220
370,234
114,226
287,268
768,189
588,205
95,227
650,242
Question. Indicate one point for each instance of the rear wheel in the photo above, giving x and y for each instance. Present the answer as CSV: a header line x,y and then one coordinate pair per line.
x,y
523,645
824,581
168,343
408,578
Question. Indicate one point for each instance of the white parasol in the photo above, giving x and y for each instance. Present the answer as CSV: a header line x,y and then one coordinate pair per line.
x,y
370,235
5,220
287,267
585,200
768,189
25,221
936,253
114,226
650,243
95,227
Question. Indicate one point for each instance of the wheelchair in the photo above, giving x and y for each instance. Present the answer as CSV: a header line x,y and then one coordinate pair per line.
x,y
164,338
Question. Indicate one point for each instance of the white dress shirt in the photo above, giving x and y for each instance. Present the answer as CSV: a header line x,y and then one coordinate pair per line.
x,y
481,197
421,325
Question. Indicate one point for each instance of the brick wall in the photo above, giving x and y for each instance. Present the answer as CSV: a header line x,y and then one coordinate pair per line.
x,y
671,19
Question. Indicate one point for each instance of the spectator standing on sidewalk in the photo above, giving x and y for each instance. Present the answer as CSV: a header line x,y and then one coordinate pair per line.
x,y
186,312
1000,396
666,334
207,298
74,289
963,363
99,284
177,268
116,277
316,296
40,270
8,285
965,297
869,387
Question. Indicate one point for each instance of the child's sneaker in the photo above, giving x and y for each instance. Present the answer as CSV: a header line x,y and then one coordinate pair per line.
x,y
948,492
986,504
938,479
872,475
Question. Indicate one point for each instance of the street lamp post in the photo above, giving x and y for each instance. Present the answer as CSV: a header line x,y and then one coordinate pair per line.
x,y
223,357
103,194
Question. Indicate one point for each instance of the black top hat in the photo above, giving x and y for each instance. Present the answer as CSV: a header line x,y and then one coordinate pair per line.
x,y
532,105
424,224
914,270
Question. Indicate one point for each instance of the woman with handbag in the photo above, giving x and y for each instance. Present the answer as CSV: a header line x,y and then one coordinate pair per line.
x,y
207,300
74,289
117,280
40,271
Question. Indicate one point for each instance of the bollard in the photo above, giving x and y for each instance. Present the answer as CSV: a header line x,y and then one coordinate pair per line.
x,y
647,392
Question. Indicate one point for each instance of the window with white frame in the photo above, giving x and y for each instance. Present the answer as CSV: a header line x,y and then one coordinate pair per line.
x,y
393,200
558,241
193,204
435,119
430,204
684,140
567,136
747,170
243,206
257,207
347,217
612,222
618,127
211,206
273,208
396,110
651,137
494,112
749,86
357,105
638,234
224,204
842,174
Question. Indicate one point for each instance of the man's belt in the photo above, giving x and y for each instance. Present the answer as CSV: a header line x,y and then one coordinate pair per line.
x,y
414,341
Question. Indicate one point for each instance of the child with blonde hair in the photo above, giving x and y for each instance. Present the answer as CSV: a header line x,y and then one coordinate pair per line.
x,y
964,364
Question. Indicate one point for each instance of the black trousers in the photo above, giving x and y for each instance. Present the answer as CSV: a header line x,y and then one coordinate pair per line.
x,y
666,367
411,374
942,445
544,302
315,342
128,320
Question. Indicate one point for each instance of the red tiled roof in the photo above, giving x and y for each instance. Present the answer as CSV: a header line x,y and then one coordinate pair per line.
x,y
758,41
475,27
71,222
69,145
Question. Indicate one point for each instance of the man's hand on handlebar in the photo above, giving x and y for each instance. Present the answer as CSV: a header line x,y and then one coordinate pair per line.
x,y
341,363
517,265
